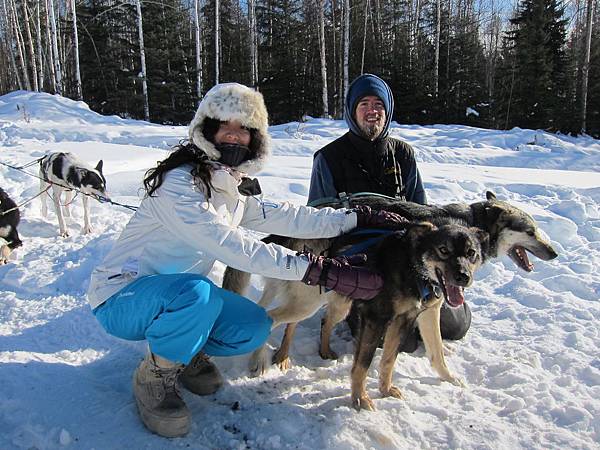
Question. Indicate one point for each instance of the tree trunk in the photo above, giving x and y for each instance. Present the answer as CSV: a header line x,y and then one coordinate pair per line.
x,y
20,45
198,50
324,94
364,43
138,6
31,50
54,39
78,91
217,41
346,50
253,43
40,63
11,51
436,68
586,65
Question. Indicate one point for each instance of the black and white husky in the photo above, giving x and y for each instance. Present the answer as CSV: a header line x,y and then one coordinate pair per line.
x,y
65,173
9,219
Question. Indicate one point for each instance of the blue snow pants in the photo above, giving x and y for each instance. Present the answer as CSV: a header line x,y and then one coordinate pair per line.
x,y
181,314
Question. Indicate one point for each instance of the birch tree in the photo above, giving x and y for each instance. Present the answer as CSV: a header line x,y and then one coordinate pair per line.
x,y
76,53
198,49
217,42
54,41
436,63
39,54
324,93
20,44
253,43
31,50
345,62
586,64
138,6
9,44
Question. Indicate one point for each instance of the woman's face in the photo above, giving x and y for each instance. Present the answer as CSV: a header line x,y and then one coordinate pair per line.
x,y
232,132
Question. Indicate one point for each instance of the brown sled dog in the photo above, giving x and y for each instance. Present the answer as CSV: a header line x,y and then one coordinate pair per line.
x,y
422,255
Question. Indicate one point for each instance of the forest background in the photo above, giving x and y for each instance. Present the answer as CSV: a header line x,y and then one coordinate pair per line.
x,y
529,64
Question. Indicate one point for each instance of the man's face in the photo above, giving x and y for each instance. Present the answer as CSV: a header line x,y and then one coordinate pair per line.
x,y
370,116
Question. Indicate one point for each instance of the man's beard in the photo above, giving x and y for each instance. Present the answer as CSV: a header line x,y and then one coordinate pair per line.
x,y
371,130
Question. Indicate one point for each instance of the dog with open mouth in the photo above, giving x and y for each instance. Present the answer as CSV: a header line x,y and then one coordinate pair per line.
x,y
422,267
511,231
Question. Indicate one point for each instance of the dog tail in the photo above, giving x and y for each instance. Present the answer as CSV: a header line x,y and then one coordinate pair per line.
x,y
236,281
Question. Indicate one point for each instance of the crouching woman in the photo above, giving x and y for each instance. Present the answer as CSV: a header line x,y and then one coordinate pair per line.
x,y
152,285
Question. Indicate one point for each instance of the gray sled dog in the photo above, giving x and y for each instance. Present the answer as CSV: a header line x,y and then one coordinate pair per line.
x,y
511,231
65,173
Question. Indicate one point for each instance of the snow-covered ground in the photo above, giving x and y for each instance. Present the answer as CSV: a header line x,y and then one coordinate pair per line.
x,y
530,362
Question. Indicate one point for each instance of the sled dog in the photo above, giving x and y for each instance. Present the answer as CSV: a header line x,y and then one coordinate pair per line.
x,y
9,219
511,232
421,258
65,173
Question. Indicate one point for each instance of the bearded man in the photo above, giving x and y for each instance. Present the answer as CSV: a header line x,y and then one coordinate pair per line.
x,y
367,159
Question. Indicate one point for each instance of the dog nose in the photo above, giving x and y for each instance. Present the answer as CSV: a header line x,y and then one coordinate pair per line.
x,y
463,278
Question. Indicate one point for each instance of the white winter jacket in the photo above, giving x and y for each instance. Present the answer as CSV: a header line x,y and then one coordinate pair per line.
x,y
178,231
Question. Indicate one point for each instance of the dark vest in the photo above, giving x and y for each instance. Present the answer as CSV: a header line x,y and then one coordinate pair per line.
x,y
359,165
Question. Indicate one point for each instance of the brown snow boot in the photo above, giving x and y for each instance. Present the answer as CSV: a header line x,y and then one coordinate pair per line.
x,y
159,402
201,376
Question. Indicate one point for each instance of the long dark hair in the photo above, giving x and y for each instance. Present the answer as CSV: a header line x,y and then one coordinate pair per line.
x,y
184,153
187,153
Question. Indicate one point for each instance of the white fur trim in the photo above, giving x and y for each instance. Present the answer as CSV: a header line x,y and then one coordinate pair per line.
x,y
233,101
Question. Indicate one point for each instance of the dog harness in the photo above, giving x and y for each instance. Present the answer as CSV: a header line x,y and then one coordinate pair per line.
x,y
428,290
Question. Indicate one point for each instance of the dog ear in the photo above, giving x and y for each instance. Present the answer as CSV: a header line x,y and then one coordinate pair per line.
x,y
99,166
489,195
420,229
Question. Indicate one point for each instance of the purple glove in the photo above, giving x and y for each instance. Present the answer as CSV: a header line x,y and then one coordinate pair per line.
x,y
369,218
343,275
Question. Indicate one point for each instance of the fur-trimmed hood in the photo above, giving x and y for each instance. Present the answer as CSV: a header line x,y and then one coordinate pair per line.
x,y
233,101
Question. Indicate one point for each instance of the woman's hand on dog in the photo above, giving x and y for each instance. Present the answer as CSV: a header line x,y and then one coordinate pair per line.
x,y
344,275
370,218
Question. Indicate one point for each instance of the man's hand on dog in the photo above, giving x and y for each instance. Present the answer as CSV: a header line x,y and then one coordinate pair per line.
x,y
344,275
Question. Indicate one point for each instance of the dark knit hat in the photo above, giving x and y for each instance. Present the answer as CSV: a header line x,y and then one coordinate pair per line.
x,y
368,84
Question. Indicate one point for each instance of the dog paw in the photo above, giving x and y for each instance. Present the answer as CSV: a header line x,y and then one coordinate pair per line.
x,y
454,380
259,363
87,230
363,402
64,234
284,365
328,354
392,391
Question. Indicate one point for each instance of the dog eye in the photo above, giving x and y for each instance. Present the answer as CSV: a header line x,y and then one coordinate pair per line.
x,y
470,253
444,250
531,233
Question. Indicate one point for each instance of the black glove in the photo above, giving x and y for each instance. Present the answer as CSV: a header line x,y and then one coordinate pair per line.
x,y
344,276
369,218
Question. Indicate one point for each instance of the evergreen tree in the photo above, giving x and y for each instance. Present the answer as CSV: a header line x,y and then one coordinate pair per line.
x,y
166,40
108,49
533,74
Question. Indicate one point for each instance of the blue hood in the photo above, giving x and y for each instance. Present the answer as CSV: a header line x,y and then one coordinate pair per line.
x,y
368,84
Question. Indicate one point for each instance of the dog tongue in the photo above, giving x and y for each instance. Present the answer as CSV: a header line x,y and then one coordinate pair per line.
x,y
455,295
